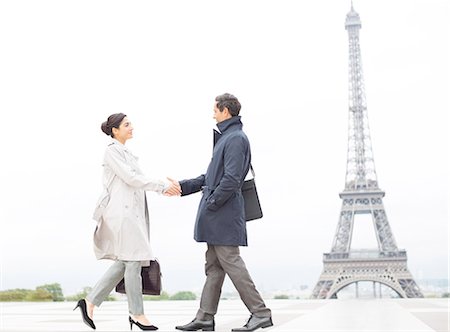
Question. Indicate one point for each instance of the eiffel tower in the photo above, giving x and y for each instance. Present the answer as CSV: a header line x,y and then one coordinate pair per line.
x,y
344,266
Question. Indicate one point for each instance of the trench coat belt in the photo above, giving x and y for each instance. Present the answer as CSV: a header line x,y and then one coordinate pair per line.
x,y
207,190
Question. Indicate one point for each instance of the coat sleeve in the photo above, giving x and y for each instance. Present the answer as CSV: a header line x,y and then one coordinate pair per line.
x,y
234,166
116,160
192,186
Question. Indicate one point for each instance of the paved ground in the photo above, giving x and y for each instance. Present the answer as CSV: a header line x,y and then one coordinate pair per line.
x,y
374,315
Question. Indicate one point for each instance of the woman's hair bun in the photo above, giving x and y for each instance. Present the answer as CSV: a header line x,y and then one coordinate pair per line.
x,y
113,121
107,130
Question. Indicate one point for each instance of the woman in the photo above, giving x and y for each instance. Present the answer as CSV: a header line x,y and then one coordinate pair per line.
x,y
122,232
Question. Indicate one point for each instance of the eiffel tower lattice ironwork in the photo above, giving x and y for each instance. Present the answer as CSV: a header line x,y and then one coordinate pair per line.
x,y
344,266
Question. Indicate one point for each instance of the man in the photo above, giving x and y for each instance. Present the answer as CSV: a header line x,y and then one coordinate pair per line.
x,y
221,220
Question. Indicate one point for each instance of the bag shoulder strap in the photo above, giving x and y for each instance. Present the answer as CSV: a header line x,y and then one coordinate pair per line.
x,y
252,170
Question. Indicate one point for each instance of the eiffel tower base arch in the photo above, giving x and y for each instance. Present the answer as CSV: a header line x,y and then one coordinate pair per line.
x,y
339,273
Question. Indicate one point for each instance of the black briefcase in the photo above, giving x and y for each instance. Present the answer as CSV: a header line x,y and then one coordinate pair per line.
x,y
251,200
151,280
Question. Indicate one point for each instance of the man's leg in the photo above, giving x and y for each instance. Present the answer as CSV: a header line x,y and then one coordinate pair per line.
x,y
204,320
212,289
233,265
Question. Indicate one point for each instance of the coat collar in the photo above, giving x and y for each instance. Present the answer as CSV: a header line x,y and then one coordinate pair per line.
x,y
122,146
116,142
229,125
232,123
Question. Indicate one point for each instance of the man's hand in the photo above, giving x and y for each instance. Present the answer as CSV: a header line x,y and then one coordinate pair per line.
x,y
174,189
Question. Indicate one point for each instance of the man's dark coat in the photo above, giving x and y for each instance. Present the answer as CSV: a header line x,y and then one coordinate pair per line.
x,y
221,215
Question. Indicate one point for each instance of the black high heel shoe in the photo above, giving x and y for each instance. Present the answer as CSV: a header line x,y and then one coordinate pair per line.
x,y
142,327
89,322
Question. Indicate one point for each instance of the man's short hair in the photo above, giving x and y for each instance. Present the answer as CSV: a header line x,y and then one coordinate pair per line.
x,y
230,102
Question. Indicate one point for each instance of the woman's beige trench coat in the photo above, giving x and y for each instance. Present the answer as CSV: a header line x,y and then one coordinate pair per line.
x,y
121,213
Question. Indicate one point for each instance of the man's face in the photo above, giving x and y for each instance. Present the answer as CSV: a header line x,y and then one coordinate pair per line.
x,y
220,116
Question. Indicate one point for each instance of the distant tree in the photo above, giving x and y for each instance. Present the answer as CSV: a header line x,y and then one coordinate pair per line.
x,y
281,297
84,293
183,296
163,297
20,295
55,290
14,295
446,295
39,295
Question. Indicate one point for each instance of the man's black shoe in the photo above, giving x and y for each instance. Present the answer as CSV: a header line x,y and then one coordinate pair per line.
x,y
197,324
255,323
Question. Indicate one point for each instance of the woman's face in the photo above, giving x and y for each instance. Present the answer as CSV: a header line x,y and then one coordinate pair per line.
x,y
124,132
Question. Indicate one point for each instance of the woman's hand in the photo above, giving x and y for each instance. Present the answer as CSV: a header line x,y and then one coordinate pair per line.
x,y
174,188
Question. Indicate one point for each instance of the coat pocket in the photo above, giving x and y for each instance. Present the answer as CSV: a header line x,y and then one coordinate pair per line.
x,y
211,203
102,203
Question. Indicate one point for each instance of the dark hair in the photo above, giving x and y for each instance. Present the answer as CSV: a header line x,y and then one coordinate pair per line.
x,y
114,121
229,101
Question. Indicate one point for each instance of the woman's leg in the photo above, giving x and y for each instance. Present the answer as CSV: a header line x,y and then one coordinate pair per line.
x,y
107,283
133,287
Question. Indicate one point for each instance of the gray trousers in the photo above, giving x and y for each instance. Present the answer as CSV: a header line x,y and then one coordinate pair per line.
x,y
131,272
222,260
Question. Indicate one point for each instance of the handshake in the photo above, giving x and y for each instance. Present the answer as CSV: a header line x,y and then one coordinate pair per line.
x,y
174,188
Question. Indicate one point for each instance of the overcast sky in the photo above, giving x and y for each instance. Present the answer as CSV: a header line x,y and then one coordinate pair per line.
x,y
66,65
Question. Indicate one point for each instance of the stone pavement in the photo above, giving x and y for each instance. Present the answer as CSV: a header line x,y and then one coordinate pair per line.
x,y
375,315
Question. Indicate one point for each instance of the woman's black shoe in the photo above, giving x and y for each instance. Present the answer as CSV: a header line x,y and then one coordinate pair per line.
x,y
142,327
89,322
